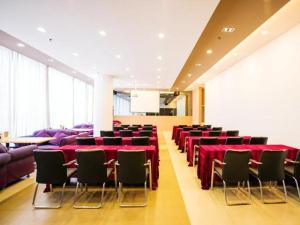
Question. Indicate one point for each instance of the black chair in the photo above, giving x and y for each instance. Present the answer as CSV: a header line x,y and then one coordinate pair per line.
x,y
182,126
232,133
140,141
270,168
85,141
203,141
112,141
137,125
146,133
92,169
217,128
148,125
107,133
202,128
147,128
126,133
187,128
214,133
132,168
207,126
195,133
133,128
233,169
196,125
258,140
234,141
51,169
124,126
118,128
292,169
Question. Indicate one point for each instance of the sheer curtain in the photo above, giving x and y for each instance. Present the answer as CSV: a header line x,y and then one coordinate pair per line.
x,y
23,84
80,102
121,106
90,103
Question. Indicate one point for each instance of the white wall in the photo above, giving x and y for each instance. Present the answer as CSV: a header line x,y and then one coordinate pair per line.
x,y
260,95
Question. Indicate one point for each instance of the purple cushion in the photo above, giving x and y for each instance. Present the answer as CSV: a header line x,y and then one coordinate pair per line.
x,y
58,136
42,133
3,149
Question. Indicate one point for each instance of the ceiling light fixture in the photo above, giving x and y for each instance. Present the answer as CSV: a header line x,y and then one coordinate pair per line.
x,y
127,68
264,32
159,57
183,81
102,33
177,88
198,64
41,29
158,77
21,45
189,75
209,51
161,35
75,54
228,29
118,56
159,69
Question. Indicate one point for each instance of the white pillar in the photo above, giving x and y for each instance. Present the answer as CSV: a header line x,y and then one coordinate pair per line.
x,y
103,103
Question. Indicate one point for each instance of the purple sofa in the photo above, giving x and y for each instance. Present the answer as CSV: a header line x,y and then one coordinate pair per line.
x,y
15,163
84,125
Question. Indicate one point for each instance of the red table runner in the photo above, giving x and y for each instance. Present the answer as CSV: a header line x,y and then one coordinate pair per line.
x,y
192,141
210,152
111,153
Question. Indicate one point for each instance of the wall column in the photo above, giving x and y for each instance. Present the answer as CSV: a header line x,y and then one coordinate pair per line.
x,y
103,103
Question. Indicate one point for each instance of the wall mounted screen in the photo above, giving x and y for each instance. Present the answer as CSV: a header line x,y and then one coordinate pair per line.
x,y
145,101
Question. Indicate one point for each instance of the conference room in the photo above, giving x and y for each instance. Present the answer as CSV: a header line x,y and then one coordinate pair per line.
x,y
149,112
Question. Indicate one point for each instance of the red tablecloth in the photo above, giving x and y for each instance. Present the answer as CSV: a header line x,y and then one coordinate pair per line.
x,y
184,134
135,133
192,141
179,130
210,152
173,132
111,153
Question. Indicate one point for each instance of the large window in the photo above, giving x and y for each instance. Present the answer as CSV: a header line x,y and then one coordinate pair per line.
x,y
26,87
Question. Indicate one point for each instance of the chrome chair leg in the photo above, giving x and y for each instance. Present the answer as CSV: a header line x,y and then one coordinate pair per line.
x,y
297,186
284,190
132,205
212,175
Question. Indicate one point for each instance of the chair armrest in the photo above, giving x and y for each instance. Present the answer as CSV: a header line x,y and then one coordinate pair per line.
x,y
117,163
109,162
255,162
219,162
196,146
292,161
70,163
148,162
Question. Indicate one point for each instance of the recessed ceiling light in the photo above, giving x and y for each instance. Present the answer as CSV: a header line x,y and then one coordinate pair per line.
x,y
41,29
177,88
50,60
159,57
209,51
189,75
264,32
159,69
228,29
102,33
118,56
21,45
161,35
198,64
127,68
75,54
158,77
183,81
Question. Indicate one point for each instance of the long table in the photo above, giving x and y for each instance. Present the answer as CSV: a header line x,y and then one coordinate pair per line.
x,y
207,153
194,140
111,153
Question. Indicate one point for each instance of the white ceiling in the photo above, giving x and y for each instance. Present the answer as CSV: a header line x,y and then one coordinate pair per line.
x,y
132,28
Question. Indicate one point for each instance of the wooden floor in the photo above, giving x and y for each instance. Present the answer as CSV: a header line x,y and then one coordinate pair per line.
x,y
165,205
178,200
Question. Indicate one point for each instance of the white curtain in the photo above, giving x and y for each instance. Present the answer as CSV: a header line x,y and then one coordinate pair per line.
x,y
90,103
80,102
121,106
22,93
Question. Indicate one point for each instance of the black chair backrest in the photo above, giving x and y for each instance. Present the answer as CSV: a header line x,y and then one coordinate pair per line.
x,y
133,128
124,126
147,128
195,133
107,133
208,141
181,126
85,141
272,167
136,125
112,141
91,168
49,166
237,165
232,133
208,126
196,125
234,141
297,167
148,125
118,128
126,133
187,128
131,169
140,141
202,128
214,133
258,140
146,133
217,128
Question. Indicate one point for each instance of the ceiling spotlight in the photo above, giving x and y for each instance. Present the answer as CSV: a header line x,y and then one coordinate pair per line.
x,y
41,29
50,60
161,35
177,88
198,64
189,75
183,81
159,69
228,29
127,68
159,57
158,77
209,51
75,54
21,45
118,56
102,33
264,32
